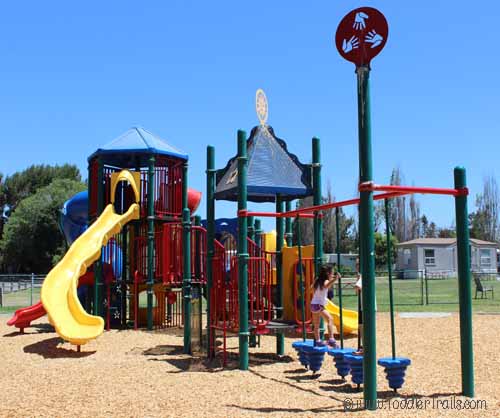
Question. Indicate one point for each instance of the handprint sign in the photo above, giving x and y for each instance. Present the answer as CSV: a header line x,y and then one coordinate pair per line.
x,y
349,45
361,35
373,38
359,21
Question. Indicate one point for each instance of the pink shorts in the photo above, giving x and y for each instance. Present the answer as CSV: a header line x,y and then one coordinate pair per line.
x,y
316,308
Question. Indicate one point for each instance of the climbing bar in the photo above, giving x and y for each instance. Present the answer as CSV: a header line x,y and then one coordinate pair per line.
x,y
370,186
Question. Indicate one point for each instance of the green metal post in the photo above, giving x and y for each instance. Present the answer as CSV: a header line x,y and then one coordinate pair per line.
x,y
197,275
426,289
464,285
90,186
254,339
301,282
251,230
389,270
210,242
186,249
242,250
151,239
288,225
280,236
337,227
258,232
318,222
98,281
251,236
123,313
367,241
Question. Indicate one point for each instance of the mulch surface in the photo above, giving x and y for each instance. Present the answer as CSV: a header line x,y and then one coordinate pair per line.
x,y
145,374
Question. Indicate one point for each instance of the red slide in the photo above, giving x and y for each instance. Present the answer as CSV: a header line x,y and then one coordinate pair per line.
x,y
23,317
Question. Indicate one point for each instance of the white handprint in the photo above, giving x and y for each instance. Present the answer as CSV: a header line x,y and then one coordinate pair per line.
x,y
349,45
373,38
359,21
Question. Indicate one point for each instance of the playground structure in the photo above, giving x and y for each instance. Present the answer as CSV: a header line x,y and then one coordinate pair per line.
x,y
137,194
138,199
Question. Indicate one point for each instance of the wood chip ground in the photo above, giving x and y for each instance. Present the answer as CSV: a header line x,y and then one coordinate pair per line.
x,y
145,374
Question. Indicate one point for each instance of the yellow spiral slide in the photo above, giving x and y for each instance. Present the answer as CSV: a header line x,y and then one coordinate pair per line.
x,y
59,291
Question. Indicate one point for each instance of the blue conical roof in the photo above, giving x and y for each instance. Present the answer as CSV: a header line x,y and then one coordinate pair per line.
x,y
272,171
136,144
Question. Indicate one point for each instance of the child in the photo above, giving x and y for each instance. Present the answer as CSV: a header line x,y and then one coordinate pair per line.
x,y
319,300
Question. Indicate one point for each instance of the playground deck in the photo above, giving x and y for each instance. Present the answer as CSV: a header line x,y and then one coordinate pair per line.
x,y
129,373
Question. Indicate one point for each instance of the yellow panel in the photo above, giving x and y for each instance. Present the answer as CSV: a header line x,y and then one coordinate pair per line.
x,y
290,257
132,177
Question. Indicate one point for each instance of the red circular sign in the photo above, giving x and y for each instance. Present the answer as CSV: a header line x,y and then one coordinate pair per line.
x,y
361,35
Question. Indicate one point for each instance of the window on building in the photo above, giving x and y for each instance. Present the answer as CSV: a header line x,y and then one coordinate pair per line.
x,y
429,257
485,256
407,256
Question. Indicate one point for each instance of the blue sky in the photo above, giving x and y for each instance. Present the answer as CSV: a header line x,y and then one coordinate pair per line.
x,y
74,76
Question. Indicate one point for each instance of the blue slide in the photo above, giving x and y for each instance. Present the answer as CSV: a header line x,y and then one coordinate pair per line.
x,y
73,223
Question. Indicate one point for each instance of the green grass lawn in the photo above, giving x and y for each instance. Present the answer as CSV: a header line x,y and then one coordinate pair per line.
x,y
442,296
20,299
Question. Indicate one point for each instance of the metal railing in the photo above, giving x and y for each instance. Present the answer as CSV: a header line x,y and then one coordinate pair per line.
x,y
20,290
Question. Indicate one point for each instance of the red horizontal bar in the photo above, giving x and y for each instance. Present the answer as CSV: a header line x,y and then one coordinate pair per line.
x,y
365,187
392,192
244,213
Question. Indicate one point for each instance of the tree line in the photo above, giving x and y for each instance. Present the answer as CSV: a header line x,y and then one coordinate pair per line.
x,y
31,201
407,221
30,204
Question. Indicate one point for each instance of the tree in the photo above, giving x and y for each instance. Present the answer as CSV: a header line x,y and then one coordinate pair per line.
x,y
398,208
425,225
25,183
447,232
306,225
381,249
414,224
32,240
432,231
485,221
347,243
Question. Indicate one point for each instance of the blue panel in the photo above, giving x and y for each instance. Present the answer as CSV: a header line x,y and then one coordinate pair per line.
x,y
134,146
272,170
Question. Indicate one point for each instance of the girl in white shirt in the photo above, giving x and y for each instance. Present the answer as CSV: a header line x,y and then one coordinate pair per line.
x,y
319,300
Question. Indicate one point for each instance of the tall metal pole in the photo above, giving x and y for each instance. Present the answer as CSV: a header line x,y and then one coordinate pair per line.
x,y
464,285
367,240
280,236
318,222
125,275
389,270
337,227
98,281
288,225
151,239
186,249
251,229
210,242
301,282
242,250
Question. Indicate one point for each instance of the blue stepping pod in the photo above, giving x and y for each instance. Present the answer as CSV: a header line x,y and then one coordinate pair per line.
x,y
299,348
356,364
315,356
341,364
395,370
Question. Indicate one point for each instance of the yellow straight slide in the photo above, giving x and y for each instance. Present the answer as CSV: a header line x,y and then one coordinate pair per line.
x,y
349,318
59,291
